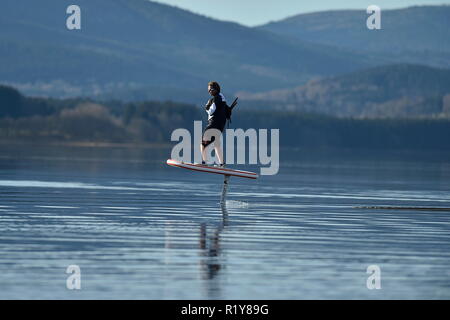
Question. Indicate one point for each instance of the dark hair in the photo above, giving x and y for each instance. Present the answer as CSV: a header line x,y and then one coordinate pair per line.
x,y
214,85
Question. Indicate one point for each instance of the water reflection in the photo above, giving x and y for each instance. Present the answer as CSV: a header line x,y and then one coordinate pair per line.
x,y
208,259
211,256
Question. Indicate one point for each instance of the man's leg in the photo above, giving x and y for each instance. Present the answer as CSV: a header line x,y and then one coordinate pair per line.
x,y
206,144
209,136
203,151
219,151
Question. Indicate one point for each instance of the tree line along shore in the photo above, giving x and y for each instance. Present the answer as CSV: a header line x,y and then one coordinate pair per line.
x,y
89,122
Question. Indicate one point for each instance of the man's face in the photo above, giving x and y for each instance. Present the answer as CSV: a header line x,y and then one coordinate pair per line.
x,y
212,91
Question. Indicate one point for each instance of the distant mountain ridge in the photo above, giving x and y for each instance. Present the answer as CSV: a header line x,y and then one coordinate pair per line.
x,y
137,44
141,50
418,34
397,91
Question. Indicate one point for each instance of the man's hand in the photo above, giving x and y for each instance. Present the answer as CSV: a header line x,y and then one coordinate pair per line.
x,y
209,104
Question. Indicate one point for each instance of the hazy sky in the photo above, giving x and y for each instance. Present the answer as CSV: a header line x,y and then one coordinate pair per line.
x,y
255,12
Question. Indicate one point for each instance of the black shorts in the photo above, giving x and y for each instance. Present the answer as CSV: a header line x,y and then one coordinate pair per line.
x,y
206,141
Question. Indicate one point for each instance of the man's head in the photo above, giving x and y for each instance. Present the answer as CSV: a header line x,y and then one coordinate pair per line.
x,y
213,88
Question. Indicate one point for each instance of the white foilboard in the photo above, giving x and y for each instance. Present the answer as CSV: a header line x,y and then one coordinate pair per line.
x,y
211,169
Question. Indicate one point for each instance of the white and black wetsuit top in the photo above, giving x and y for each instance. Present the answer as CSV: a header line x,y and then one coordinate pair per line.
x,y
216,109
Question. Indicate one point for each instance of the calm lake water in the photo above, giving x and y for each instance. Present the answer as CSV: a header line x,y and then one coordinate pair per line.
x,y
139,229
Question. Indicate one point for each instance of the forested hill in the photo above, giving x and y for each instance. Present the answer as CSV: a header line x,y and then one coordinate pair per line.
x,y
394,91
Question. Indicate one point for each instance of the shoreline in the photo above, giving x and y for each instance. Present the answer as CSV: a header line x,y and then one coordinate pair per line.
x,y
87,144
